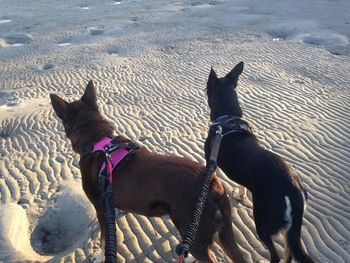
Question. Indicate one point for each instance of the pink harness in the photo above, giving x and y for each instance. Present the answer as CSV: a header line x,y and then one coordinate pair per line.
x,y
114,153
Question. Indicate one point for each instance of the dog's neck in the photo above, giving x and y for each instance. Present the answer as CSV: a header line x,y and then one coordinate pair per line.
x,y
218,115
224,104
224,118
85,134
233,110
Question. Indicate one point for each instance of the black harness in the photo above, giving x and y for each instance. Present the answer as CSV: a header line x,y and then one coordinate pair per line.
x,y
231,125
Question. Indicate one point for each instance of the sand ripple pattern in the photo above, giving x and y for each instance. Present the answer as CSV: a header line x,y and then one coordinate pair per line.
x,y
150,81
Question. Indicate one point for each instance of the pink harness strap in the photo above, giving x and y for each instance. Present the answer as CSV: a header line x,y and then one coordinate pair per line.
x,y
115,157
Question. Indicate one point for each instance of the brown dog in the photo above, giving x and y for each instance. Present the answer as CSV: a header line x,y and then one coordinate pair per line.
x,y
147,183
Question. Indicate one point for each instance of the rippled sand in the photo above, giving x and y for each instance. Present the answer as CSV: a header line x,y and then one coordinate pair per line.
x,y
150,61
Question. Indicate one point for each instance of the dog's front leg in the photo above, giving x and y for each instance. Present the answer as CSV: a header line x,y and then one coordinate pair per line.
x,y
99,257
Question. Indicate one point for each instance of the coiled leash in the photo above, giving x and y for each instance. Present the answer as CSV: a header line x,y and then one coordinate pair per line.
x,y
183,248
114,153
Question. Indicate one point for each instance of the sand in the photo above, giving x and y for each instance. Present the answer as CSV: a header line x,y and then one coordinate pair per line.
x,y
150,61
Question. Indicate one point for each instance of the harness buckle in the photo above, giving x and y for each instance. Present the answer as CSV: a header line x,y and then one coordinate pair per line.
x,y
133,145
216,144
232,124
108,156
219,130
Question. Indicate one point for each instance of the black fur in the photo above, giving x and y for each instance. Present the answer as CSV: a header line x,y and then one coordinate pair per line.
x,y
264,173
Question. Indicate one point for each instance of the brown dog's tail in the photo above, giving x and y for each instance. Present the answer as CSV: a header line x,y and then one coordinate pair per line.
x,y
226,236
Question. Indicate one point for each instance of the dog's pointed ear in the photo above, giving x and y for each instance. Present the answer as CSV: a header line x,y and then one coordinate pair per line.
x,y
89,96
235,72
59,105
212,79
212,75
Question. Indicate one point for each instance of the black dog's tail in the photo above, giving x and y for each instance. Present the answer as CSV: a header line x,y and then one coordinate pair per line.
x,y
297,202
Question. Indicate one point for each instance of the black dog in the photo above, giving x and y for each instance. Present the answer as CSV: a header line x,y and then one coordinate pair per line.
x,y
278,193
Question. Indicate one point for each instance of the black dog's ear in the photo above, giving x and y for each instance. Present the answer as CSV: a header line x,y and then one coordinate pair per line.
x,y
212,79
235,72
212,74
89,96
59,105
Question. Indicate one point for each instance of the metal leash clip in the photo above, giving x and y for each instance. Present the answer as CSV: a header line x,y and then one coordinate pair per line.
x,y
216,144
219,130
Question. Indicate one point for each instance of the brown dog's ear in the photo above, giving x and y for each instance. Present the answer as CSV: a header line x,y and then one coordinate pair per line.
x,y
59,105
235,72
89,96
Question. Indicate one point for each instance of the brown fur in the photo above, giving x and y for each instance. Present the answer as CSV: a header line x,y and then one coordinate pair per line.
x,y
147,183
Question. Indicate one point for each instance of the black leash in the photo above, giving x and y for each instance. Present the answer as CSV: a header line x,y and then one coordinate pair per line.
x,y
110,230
184,247
105,183
110,233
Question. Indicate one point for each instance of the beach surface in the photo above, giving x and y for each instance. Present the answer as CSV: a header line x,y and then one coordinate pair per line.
x,y
150,61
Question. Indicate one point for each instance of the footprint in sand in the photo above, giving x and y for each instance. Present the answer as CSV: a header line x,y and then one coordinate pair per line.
x,y
8,99
15,40
167,49
18,38
63,224
43,67
335,43
3,98
8,128
14,236
95,31
48,66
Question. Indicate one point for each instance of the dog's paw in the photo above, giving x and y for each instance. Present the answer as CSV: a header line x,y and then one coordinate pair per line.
x,y
118,213
97,257
238,196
